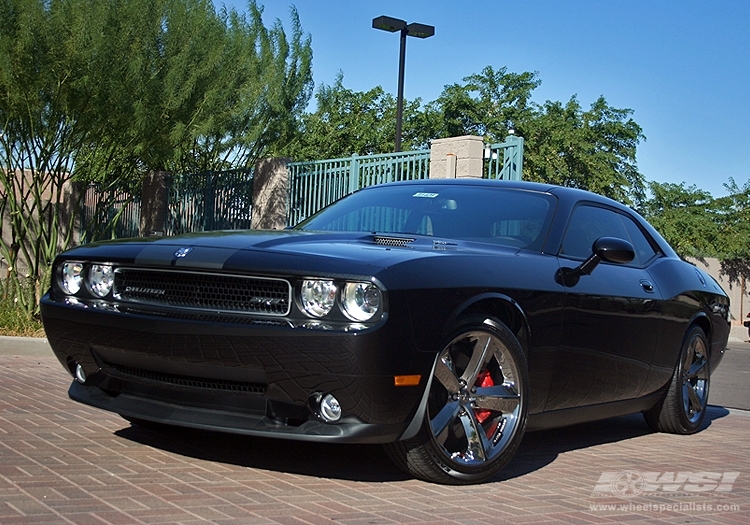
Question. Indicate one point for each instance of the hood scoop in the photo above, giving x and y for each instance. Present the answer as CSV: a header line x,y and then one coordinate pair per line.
x,y
392,241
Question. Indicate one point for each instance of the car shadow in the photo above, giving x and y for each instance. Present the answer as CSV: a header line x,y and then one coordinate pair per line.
x,y
542,447
369,463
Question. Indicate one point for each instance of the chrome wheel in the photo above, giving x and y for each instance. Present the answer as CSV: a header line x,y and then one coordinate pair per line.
x,y
475,400
476,408
695,380
683,407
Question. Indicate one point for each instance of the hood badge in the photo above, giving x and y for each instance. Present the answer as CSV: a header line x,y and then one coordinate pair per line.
x,y
182,252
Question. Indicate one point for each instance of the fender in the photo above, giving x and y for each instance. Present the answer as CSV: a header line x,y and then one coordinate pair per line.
x,y
522,329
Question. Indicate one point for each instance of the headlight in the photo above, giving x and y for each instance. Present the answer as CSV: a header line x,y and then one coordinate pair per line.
x,y
361,301
100,279
318,297
71,276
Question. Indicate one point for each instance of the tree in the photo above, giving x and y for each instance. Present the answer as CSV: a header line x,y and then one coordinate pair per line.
x,y
362,122
488,104
106,91
593,150
196,90
734,228
686,217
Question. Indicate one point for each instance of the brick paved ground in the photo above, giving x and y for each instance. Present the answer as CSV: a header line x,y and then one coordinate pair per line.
x,y
62,462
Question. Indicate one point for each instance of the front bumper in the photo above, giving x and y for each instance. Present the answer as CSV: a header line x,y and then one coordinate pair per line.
x,y
251,378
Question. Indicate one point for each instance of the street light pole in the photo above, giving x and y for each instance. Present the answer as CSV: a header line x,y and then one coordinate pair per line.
x,y
400,97
386,23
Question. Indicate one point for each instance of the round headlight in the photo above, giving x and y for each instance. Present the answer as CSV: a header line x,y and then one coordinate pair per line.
x,y
318,297
101,278
361,301
71,276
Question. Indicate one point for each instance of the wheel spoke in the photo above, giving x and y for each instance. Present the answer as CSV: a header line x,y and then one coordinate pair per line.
x,y
498,398
696,368
694,401
506,366
689,355
477,361
477,444
447,377
444,418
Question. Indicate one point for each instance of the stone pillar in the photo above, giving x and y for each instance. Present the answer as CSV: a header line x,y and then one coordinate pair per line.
x,y
70,214
270,183
457,157
154,204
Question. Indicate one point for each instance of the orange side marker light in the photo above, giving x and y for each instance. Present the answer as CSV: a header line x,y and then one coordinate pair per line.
x,y
410,380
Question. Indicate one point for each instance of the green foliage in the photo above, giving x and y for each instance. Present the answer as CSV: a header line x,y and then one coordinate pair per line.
x,y
487,104
16,320
699,226
188,89
105,91
362,122
591,149
685,216
734,227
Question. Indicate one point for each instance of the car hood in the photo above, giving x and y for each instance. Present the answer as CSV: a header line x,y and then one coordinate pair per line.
x,y
289,251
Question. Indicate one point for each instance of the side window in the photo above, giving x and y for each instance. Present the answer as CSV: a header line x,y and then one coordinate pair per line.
x,y
643,249
588,223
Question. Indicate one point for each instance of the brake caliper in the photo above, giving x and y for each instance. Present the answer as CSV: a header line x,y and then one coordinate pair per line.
x,y
484,380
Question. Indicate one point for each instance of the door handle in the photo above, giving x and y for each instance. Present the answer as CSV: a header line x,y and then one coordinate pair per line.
x,y
647,286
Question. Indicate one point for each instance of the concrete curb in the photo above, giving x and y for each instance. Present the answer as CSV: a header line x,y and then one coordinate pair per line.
x,y
24,346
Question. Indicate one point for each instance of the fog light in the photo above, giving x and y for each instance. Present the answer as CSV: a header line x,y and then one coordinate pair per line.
x,y
80,374
330,408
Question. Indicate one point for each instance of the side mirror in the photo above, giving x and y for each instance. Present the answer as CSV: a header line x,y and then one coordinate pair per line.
x,y
610,249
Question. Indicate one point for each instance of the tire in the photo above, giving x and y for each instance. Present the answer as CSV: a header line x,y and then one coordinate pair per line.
x,y
683,408
476,410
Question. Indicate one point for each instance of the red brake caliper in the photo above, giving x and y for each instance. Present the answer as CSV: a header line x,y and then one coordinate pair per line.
x,y
484,380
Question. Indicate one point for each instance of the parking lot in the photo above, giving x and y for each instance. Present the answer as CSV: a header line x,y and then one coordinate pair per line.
x,y
62,462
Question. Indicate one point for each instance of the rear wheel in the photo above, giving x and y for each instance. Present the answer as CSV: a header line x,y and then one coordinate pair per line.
x,y
683,408
476,410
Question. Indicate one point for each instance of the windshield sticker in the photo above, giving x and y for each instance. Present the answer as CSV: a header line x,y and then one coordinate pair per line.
x,y
426,195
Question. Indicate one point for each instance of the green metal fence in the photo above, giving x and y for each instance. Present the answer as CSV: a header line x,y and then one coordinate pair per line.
x,y
110,213
505,160
313,185
212,200
223,200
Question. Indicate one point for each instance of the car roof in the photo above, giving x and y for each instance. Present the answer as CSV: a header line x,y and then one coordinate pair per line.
x,y
563,193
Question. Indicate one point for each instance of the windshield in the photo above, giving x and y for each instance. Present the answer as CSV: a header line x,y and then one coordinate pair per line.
x,y
511,217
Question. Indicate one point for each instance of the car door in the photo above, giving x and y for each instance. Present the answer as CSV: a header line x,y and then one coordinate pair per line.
x,y
610,318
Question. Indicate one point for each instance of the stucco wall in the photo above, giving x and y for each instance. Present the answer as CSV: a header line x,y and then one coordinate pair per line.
x,y
740,304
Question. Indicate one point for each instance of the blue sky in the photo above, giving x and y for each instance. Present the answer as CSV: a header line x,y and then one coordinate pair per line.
x,y
683,66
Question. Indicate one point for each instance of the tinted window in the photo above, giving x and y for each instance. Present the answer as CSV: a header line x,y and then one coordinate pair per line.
x,y
588,223
498,215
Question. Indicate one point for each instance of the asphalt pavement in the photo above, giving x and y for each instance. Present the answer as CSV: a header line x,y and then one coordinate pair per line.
x,y
730,383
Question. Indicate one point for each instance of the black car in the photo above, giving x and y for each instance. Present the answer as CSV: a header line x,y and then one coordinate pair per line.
x,y
440,318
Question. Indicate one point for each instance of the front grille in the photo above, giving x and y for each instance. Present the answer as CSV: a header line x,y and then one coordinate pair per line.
x,y
244,387
392,241
204,291
209,318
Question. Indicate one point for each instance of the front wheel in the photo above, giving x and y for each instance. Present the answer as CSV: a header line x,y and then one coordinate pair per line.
x,y
683,408
476,409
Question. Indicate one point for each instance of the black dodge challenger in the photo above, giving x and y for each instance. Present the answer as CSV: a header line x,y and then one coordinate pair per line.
x,y
440,318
